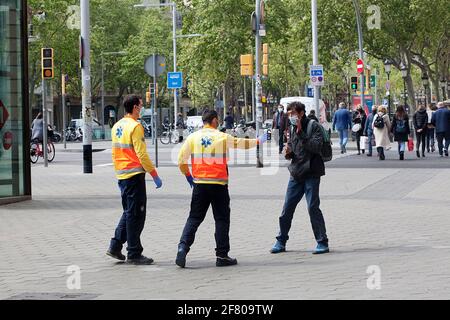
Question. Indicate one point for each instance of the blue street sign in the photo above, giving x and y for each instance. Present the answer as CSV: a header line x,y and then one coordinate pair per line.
x,y
175,80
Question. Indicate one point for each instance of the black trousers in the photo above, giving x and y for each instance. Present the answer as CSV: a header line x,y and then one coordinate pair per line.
x,y
421,139
203,196
129,229
281,140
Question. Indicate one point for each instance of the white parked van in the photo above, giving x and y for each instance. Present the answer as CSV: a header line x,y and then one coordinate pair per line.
x,y
309,104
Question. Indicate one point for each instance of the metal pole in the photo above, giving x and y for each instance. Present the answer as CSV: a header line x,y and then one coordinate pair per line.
x,y
64,110
103,98
245,99
174,34
155,103
376,88
86,88
389,96
44,125
253,99
361,48
315,43
258,86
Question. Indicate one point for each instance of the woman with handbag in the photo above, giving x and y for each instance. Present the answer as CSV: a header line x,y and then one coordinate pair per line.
x,y
381,127
359,120
400,129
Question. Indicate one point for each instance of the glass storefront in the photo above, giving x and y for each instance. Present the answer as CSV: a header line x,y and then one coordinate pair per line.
x,y
14,163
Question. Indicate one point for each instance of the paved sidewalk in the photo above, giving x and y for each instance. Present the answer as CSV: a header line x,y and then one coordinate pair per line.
x,y
394,219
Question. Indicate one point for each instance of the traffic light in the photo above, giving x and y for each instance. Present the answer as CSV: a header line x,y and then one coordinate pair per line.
x,y
247,65
354,83
148,98
47,63
265,59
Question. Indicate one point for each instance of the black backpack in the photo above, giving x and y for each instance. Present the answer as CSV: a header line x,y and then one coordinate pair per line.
x,y
400,126
327,150
379,122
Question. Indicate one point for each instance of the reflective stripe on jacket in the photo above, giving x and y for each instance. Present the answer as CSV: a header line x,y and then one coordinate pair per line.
x,y
208,151
129,152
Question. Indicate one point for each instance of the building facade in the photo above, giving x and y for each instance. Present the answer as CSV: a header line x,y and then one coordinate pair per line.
x,y
15,176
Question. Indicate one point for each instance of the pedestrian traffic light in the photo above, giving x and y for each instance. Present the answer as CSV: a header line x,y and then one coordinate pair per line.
x,y
47,63
247,65
265,59
148,98
354,83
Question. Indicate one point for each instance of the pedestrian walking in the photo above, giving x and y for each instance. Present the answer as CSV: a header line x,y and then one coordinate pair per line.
x,y
131,162
381,128
306,169
342,121
229,121
359,122
441,120
312,115
368,130
208,151
431,130
280,123
180,126
420,121
401,130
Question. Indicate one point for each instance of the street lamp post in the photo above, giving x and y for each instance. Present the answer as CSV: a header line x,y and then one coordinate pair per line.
x,y
387,69
425,82
443,84
404,71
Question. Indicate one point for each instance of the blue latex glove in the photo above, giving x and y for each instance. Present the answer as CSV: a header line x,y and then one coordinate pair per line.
x,y
262,139
190,180
158,182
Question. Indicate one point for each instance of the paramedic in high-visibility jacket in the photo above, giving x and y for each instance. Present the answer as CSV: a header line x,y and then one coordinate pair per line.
x,y
208,151
131,163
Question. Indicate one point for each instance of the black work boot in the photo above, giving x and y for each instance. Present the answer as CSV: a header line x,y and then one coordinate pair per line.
x,y
142,260
116,255
181,258
402,155
225,261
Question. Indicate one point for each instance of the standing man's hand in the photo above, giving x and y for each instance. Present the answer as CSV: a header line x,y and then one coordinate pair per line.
x,y
190,180
156,179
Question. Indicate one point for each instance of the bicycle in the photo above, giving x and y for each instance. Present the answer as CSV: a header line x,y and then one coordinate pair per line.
x,y
36,151
169,135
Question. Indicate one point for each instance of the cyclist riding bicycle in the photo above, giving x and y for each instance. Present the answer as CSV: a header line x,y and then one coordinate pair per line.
x,y
37,128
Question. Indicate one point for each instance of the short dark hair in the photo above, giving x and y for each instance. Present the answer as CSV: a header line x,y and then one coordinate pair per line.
x,y
130,101
209,115
298,106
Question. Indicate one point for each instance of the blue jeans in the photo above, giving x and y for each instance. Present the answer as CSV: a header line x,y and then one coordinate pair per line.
x,y
129,229
401,146
369,139
343,137
295,192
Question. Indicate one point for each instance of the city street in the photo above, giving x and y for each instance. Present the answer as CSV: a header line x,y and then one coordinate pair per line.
x,y
387,223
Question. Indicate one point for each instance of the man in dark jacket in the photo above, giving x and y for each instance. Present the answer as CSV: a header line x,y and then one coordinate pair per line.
x,y
441,120
280,122
342,122
420,121
306,169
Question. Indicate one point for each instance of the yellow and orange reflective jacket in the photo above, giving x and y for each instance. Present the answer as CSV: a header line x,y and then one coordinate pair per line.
x,y
208,151
129,151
